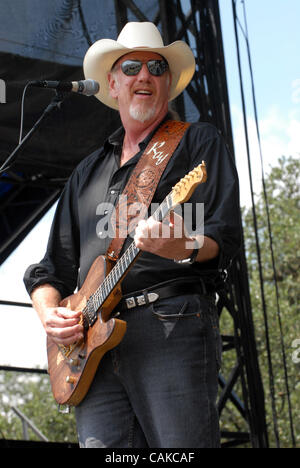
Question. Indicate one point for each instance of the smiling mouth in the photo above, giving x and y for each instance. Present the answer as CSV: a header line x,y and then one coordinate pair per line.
x,y
143,92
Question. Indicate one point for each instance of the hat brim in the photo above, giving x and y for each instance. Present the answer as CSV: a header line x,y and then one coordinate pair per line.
x,y
101,56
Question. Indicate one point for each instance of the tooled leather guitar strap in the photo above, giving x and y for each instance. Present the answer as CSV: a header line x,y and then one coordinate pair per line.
x,y
140,188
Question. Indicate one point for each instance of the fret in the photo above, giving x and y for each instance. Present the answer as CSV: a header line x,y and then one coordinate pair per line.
x,y
109,279
169,201
136,250
89,313
125,260
98,303
118,268
94,300
114,280
156,214
105,287
97,300
103,291
107,282
120,272
122,266
163,209
101,295
130,252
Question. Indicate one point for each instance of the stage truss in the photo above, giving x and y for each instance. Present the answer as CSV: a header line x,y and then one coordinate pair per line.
x,y
198,23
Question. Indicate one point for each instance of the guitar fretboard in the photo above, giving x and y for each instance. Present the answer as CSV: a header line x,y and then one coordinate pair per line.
x,y
117,273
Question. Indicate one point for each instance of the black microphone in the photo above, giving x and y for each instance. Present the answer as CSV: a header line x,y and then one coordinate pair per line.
x,y
87,87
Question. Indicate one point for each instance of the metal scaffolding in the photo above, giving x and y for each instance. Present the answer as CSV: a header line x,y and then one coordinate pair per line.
x,y
36,186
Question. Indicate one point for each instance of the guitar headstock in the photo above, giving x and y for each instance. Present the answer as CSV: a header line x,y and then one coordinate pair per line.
x,y
184,189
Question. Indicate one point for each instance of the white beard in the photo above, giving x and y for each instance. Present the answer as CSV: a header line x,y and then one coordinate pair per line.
x,y
140,114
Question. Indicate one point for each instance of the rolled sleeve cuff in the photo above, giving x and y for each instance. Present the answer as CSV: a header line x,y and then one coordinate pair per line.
x,y
37,275
227,250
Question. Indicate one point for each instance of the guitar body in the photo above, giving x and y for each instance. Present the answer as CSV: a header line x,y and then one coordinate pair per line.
x,y
72,368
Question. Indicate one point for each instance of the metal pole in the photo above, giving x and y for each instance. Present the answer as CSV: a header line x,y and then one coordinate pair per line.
x,y
27,423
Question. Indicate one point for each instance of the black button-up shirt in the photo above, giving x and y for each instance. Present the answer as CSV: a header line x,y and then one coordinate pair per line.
x,y
78,233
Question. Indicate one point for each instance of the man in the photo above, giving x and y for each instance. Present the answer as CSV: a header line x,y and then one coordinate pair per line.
x,y
158,387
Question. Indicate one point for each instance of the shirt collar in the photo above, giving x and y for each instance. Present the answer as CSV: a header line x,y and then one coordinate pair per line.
x,y
117,137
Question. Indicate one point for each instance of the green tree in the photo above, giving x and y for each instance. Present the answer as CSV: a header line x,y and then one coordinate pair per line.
x,y
283,195
32,395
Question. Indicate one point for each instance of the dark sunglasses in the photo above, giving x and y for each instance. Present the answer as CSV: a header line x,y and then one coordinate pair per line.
x,y
155,67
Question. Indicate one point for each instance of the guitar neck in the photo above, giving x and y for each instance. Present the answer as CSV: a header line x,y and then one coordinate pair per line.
x,y
124,263
179,194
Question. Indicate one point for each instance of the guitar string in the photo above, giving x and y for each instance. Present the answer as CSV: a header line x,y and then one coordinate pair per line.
x,y
101,294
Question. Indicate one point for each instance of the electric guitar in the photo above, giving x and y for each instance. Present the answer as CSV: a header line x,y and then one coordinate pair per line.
x,y
72,368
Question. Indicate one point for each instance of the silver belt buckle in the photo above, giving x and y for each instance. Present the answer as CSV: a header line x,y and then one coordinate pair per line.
x,y
140,300
130,302
152,297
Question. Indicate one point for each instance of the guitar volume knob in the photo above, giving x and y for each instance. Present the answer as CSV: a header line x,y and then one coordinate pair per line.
x,y
74,361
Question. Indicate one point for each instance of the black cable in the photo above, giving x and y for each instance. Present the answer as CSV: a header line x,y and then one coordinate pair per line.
x,y
84,26
22,111
264,306
269,231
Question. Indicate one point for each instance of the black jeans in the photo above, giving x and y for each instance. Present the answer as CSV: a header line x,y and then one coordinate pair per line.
x,y
158,388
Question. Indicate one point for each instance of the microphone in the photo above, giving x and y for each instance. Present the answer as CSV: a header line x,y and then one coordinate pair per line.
x,y
87,87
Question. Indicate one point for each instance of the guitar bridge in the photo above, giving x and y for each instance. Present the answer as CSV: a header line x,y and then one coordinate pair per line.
x,y
67,350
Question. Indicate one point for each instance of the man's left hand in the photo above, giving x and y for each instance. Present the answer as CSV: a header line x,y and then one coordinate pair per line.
x,y
168,239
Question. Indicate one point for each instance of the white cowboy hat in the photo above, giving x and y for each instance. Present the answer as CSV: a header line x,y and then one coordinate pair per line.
x,y
101,56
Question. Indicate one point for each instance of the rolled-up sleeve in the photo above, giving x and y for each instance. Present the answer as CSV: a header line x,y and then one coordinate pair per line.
x,y
220,195
59,267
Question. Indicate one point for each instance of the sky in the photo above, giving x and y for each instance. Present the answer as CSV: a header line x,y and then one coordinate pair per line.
x,y
274,35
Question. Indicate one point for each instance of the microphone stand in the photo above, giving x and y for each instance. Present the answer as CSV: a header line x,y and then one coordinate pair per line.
x,y
54,104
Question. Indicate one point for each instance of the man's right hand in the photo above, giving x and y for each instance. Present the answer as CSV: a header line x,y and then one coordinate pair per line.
x,y
61,324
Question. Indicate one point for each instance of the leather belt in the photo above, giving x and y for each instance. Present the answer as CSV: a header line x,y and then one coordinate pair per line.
x,y
163,291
